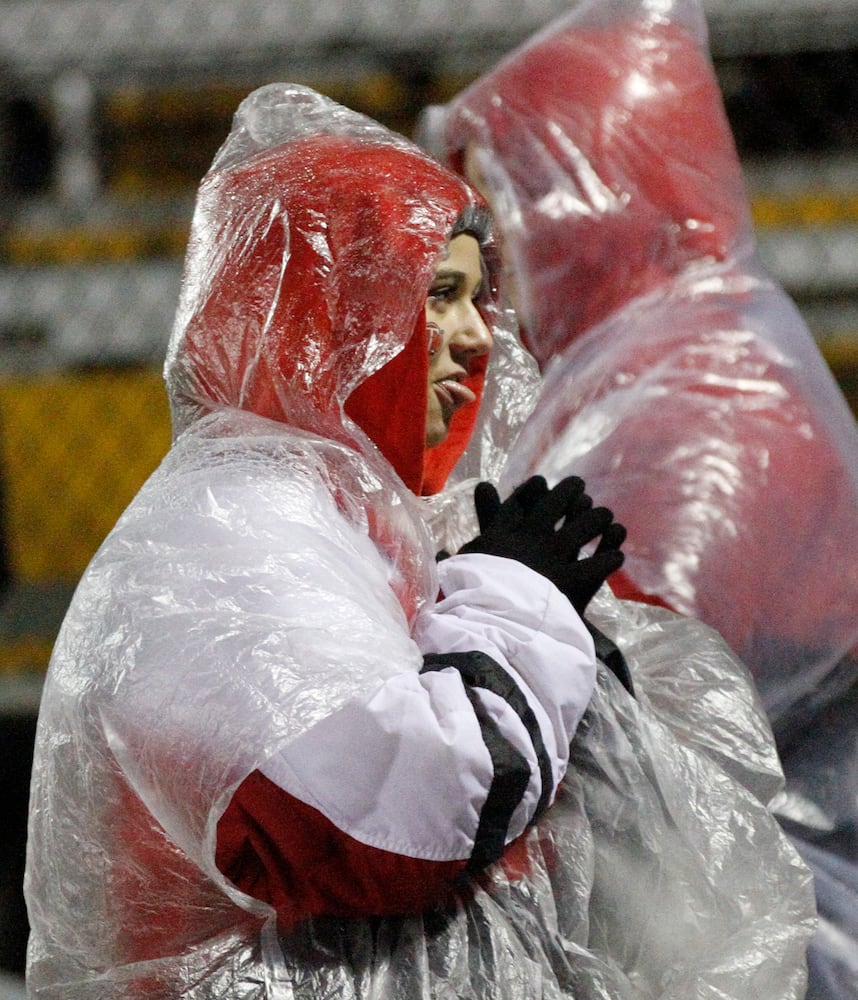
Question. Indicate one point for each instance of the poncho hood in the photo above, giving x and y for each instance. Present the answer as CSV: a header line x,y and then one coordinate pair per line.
x,y
610,161
313,244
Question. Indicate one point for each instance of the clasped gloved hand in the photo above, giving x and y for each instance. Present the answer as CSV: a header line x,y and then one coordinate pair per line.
x,y
546,529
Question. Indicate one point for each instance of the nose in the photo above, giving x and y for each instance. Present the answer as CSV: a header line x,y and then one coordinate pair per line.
x,y
471,337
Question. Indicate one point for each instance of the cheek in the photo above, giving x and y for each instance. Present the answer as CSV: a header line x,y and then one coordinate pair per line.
x,y
434,367
436,426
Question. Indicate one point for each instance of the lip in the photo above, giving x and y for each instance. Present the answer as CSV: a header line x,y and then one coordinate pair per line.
x,y
452,394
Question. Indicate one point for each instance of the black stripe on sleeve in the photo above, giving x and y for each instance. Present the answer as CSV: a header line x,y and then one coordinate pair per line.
x,y
608,652
511,775
511,770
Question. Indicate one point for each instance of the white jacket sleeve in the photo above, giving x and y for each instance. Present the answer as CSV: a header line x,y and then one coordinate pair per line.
x,y
509,669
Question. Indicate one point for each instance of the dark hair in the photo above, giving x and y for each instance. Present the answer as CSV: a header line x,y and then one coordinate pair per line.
x,y
475,220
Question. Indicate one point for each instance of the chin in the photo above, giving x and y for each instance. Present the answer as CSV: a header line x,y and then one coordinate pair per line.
x,y
435,435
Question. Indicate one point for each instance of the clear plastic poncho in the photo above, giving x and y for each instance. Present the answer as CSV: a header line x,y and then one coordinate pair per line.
x,y
273,567
681,382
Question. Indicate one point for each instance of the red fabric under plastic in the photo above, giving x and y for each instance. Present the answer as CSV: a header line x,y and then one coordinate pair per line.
x,y
566,120
278,849
318,298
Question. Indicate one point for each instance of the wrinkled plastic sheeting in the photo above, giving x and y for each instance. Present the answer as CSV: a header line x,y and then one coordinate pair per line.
x,y
655,875
659,873
208,630
682,451
697,687
649,878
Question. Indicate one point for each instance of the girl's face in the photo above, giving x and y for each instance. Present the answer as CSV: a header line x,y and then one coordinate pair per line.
x,y
457,332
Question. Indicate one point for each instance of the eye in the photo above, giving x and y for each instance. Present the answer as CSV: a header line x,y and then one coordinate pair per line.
x,y
443,292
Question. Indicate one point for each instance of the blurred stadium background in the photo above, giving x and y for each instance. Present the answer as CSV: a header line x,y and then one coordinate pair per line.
x,y
111,111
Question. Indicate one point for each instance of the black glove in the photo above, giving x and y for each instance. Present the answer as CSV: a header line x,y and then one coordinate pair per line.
x,y
546,530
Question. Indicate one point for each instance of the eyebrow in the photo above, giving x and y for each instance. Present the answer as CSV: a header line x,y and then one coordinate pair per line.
x,y
453,274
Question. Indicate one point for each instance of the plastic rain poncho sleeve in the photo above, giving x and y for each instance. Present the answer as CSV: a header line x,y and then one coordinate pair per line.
x,y
679,379
238,654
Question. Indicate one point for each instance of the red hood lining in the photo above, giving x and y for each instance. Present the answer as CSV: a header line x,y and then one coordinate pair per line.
x,y
313,292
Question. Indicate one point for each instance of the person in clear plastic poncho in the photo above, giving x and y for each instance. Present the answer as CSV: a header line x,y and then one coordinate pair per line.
x,y
679,379
282,751
681,382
